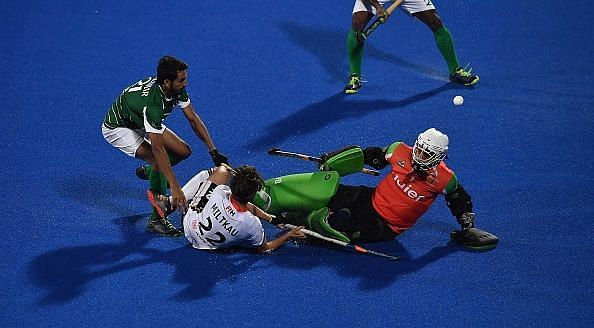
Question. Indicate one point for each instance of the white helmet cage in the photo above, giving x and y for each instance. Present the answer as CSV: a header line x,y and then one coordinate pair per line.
x,y
430,149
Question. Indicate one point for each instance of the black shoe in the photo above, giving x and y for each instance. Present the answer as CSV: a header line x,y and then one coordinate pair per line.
x,y
163,227
161,203
141,173
355,83
464,77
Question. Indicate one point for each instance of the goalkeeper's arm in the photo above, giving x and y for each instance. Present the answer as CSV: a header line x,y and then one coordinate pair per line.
x,y
460,204
375,157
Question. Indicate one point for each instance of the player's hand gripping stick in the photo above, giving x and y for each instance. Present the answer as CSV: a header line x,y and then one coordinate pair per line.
x,y
380,20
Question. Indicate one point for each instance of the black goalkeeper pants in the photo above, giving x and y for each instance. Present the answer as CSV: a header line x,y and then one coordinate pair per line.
x,y
363,224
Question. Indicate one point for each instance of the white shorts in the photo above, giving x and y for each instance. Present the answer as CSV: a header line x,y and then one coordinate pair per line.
x,y
410,6
124,139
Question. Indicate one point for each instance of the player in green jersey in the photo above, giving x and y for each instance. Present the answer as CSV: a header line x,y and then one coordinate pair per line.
x,y
134,124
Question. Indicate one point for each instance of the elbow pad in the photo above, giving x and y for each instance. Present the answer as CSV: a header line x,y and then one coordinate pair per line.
x,y
459,202
375,157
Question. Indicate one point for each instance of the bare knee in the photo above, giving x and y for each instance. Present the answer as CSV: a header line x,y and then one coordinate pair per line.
x,y
186,152
360,19
430,18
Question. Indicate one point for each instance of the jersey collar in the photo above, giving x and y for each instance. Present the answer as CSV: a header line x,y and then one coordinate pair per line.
x,y
164,95
238,206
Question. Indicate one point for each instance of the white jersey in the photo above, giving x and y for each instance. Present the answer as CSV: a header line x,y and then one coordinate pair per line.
x,y
217,223
410,6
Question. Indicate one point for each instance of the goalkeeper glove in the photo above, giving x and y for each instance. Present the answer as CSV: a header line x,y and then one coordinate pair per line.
x,y
466,220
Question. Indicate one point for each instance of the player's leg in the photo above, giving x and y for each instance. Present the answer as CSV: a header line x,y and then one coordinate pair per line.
x,y
445,43
362,14
177,151
158,222
133,144
199,185
216,176
353,214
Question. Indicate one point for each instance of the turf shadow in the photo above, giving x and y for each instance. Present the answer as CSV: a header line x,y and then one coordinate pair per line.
x,y
99,192
372,273
332,109
66,273
329,47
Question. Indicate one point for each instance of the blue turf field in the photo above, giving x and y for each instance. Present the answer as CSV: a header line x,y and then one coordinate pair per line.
x,y
267,73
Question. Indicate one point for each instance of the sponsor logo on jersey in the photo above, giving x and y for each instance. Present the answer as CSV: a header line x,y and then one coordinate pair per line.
x,y
230,210
219,217
407,189
401,163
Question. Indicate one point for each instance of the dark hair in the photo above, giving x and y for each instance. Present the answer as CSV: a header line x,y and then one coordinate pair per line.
x,y
246,183
168,68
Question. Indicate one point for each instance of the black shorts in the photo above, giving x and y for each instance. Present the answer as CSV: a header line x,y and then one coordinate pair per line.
x,y
363,224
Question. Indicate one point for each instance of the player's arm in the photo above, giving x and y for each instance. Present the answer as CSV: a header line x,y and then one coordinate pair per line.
x,y
268,246
460,203
255,210
164,166
377,157
379,9
202,132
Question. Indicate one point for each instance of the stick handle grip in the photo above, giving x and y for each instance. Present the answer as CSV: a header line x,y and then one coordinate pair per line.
x,y
378,21
317,235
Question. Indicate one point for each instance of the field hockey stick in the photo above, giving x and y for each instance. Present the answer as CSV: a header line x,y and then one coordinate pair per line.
x,y
350,246
381,20
278,152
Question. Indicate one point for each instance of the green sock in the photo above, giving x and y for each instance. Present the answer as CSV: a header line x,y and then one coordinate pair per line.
x,y
172,159
158,184
355,50
446,47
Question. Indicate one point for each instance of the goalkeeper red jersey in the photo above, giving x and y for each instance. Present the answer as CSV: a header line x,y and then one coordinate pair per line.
x,y
403,196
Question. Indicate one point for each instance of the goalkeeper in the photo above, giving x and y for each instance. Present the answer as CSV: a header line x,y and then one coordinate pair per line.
x,y
417,176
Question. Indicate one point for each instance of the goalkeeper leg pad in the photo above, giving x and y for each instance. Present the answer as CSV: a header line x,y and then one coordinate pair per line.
x,y
318,222
475,238
346,161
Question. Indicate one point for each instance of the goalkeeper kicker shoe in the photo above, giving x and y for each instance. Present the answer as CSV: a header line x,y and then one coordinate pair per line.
x,y
355,83
161,203
464,77
163,227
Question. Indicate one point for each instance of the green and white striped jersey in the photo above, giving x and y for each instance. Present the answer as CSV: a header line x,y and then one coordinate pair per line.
x,y
143,105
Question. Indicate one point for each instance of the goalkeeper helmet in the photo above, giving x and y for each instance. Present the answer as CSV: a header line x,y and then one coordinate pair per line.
x,y
429,150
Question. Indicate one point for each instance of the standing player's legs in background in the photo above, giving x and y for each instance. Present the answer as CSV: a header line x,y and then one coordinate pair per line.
x,y
362,14
424,11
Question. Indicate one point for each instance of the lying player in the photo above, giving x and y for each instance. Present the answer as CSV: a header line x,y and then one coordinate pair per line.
x,y
366,214
221,216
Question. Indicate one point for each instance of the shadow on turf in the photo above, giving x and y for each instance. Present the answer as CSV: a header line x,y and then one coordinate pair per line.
x,y
67,272
329,46
372,273
98,192
332,109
